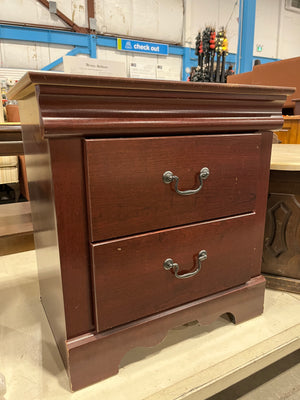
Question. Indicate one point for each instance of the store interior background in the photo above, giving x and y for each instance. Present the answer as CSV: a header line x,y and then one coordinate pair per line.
x,y
273,29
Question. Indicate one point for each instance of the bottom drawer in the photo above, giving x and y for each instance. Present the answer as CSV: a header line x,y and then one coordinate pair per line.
x,y
130,281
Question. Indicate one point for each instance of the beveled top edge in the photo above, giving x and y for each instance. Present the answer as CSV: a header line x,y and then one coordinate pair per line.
x,y
33,78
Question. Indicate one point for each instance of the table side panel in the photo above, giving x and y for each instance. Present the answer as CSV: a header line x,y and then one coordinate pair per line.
x,y
70,202
38,165
262,196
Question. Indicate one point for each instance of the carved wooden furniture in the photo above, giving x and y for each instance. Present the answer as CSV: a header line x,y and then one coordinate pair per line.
x,y
11,145
279,73
16,230
290,132
281,256
2,120
9,174
13,116
11,139
297,106
148,205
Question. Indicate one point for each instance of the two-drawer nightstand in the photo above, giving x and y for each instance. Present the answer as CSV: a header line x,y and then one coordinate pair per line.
x,y
148,204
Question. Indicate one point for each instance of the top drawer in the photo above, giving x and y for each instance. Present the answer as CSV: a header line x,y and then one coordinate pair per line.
x,y
127,195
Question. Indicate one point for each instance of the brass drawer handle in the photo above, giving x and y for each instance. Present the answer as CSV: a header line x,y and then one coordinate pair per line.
x,y
168,177
169,264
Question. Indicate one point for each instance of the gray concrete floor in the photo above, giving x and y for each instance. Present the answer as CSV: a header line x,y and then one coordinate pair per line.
x,y
279,381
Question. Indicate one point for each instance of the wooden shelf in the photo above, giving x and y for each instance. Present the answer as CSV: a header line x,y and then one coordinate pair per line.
x,y
16,230
285,157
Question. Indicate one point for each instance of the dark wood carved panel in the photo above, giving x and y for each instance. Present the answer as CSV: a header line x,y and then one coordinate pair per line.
x,y
278,216
282,236
285,182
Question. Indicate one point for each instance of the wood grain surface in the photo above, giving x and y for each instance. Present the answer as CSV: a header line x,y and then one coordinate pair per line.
x,y
77,106
95,357
286,284
130,281
285,157
38,168
11,139
281,254
126,193
283,72
70,206
15,219
143,128
290,132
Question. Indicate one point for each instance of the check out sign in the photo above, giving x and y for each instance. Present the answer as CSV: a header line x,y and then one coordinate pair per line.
x,y
142,47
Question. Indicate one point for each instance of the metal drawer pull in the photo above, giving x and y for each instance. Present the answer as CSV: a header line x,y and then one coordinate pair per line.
x,y
169,264
168,177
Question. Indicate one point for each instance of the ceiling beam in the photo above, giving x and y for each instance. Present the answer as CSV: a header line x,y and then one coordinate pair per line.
x,y
64,18
91,11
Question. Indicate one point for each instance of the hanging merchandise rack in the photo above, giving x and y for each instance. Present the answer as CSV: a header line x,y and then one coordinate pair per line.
x,y
211,49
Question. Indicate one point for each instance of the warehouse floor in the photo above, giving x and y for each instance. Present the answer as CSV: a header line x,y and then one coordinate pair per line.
x,y
279,381
193,362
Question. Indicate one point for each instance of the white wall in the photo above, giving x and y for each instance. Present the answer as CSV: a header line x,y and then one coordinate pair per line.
x,y
30,11
266,27
150,19
277,30
160,20
29,55
217,13
289,33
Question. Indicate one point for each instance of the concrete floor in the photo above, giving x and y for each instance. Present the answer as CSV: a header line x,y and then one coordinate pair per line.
x,y
193,362
279,381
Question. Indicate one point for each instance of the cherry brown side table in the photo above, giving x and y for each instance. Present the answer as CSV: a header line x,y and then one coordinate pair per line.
x,y
148,205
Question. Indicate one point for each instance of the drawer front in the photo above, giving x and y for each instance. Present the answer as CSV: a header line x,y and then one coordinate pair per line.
x,y
130,281
127,195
